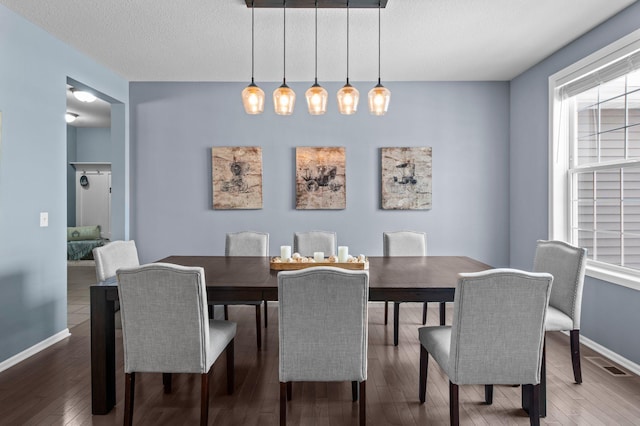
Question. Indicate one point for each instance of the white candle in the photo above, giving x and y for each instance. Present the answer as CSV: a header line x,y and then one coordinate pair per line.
x,y
318,256
343,253
285,252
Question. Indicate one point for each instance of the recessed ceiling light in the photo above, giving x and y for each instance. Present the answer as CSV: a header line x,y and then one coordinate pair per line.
x,y
83,96
70,117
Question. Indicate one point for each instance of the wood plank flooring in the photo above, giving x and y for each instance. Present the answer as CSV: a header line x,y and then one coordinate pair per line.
x,y
53,387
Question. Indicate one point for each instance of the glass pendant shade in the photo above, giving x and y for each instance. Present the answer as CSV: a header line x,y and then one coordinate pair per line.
x,y
252,95
284,99
379,98
317,99
253,99
348,98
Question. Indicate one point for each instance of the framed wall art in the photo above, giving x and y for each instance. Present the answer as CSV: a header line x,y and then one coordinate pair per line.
x,y
236,177
406,178
320,178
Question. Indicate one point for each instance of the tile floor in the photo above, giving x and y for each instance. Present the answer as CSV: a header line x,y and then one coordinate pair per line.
x,y
80,275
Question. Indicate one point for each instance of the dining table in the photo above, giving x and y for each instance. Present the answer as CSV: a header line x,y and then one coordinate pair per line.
x,y
229,278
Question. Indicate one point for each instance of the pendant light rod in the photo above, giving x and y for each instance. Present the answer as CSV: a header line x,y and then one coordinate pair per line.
x,y
379,50
252,95
252,40
316,70
347,41
284,41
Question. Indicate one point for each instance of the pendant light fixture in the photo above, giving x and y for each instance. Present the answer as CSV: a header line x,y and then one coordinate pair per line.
x,y
316,95
70,117
379,96
284,98
83,95
252,95
348,96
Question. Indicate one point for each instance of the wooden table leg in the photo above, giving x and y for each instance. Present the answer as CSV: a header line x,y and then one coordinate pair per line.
x,y
396,322
103,351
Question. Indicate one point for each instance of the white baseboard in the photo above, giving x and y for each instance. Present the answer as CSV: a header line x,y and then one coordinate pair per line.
x,y
619,359
4,365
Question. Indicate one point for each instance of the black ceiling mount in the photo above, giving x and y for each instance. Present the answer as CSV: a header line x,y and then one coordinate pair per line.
x,y
353,4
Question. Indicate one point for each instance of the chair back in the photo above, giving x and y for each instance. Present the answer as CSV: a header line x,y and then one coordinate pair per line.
x,y
247,243
567,265
404,243
114,255
323,324
306,243
165,325
498,327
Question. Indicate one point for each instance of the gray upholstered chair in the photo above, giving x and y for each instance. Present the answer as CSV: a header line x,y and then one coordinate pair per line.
x,y
111,257
306,243
567,265
248,243
403,243
323,330
497,336
165,329
114,255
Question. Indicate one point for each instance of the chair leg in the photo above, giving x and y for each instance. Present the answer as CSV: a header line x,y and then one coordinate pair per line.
x,y
289,391
422,382
424,313
258,327
166,381
533,393
443,312
363,403
230,366
265,314
283,403
454,405
129,391
396,322
204,398
354,391
386,312
488,394
226,312
575,355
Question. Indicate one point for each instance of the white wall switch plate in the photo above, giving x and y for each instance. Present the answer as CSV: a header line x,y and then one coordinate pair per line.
x,y
44,219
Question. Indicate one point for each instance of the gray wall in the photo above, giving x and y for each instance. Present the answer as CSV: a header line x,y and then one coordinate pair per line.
x,y
89,144
174,126
71,175
33,177
610,314
94,144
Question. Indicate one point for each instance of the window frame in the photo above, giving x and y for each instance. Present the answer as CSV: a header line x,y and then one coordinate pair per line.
x,y
560,129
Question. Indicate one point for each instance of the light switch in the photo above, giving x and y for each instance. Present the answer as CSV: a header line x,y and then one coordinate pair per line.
x,y
44,219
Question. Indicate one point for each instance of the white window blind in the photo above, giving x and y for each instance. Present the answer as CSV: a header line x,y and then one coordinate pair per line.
x,y
604,162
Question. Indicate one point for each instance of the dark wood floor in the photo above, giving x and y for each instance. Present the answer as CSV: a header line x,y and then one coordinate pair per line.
x,y
53,387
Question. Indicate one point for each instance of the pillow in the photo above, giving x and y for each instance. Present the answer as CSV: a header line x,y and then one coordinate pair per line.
x,y
79,233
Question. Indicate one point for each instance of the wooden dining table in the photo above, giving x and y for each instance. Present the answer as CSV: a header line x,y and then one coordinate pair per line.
x,y
228,278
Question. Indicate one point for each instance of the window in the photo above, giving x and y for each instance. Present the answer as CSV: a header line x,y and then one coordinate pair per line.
x,y
595,160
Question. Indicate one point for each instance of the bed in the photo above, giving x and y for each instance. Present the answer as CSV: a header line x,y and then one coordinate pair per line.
x,y
81,240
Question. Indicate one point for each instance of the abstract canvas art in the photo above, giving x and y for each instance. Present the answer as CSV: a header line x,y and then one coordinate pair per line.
x,y
406,178
236,177
320,178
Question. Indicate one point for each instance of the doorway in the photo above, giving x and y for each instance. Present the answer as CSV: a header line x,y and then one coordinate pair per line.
x,y
89,157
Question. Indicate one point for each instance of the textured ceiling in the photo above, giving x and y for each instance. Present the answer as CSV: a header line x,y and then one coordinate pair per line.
x,y
422,40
